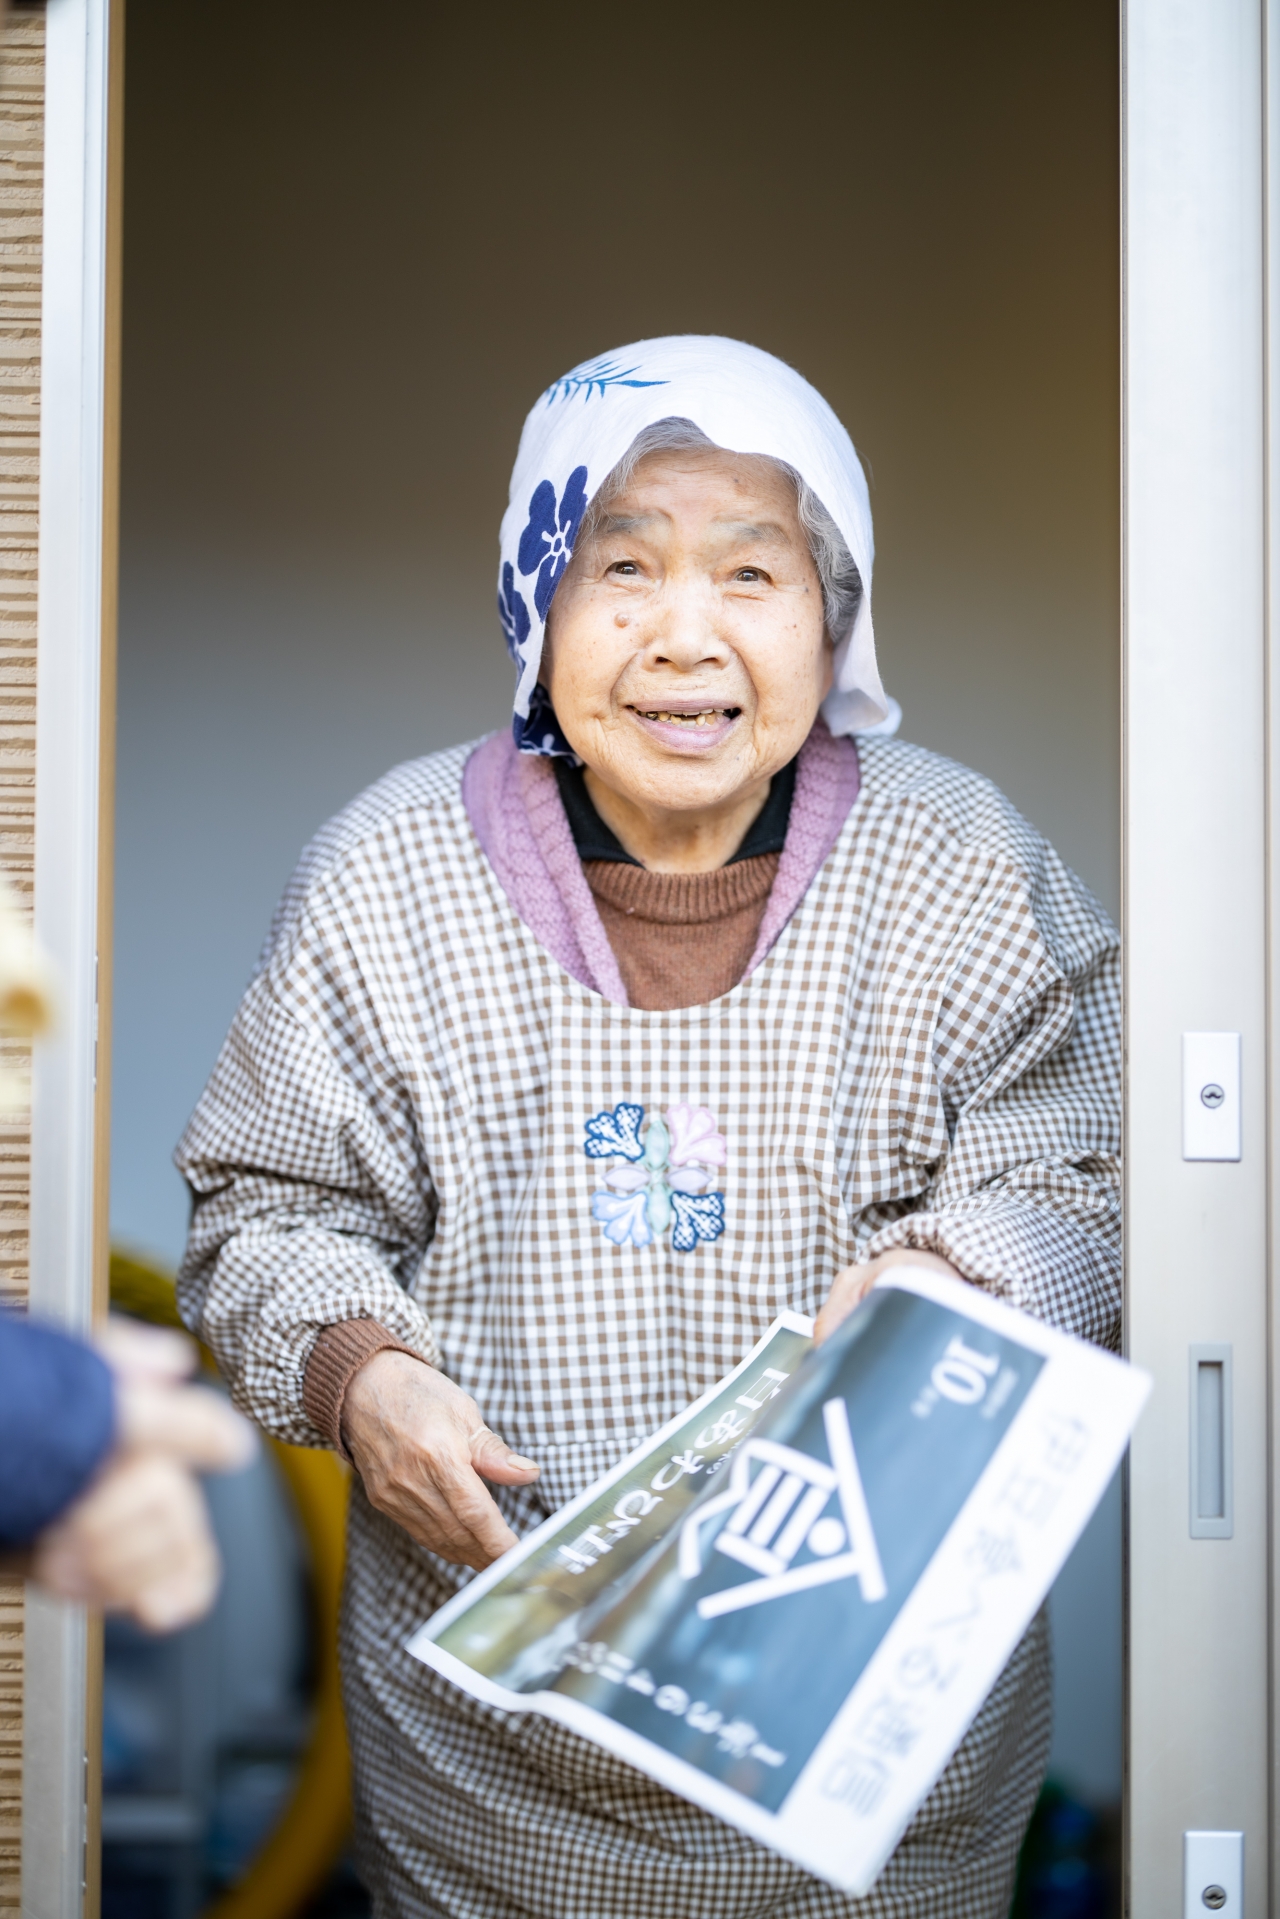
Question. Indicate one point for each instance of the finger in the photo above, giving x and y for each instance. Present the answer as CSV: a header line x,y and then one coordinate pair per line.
x,y
443,1534
187,1423
849,1289
166,1609
168,1529
432,1523
165,1605
496,1460
143,1521
486,1526
110,1575
182,1559
471,1517
124,1500
137,1352
446,1507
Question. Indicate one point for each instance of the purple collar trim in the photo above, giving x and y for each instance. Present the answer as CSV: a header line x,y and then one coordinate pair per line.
x,y
513,804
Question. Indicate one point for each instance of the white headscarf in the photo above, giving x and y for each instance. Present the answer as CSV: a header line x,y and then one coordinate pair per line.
x,y
743,400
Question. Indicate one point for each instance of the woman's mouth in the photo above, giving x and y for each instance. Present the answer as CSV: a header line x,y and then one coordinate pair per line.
x,y
703,716
686,723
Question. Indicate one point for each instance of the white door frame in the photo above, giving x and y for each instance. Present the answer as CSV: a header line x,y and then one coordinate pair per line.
x,y
73,694
1202,709
1196,893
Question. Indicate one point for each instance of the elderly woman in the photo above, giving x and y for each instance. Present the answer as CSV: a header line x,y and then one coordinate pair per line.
x,y
701,881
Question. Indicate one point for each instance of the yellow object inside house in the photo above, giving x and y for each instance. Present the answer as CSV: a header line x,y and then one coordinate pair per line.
x,y
310,1835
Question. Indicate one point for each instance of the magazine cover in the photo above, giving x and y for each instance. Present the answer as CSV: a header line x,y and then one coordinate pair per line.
x,y
790,1604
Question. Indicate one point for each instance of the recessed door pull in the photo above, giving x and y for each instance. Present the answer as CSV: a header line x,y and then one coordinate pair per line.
x,y
1211,1448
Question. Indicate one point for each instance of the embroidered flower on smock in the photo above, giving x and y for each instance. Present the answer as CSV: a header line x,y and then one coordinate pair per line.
x,y
546,545
662,1179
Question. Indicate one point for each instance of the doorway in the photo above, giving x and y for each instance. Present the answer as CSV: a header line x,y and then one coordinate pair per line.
x,y
356,247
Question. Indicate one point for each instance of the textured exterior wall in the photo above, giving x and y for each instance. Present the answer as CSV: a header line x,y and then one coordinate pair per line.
x,y
21,158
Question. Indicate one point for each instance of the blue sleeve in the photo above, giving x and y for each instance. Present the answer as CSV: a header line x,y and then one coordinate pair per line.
x,y
56,1420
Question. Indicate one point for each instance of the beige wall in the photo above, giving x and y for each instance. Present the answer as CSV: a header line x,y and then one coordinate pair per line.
x,y
360,243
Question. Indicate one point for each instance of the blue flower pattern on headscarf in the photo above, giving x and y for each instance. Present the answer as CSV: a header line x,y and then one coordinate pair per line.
x,y
546,545
514,614
539,731
544,550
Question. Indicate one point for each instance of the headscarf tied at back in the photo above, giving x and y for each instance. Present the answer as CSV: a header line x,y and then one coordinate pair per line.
x,y
743,400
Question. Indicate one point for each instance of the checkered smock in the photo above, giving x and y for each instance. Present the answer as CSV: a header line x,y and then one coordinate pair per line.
x,y
929,1056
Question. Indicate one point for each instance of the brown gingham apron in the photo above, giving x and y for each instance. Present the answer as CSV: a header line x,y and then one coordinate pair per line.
x,y
913,986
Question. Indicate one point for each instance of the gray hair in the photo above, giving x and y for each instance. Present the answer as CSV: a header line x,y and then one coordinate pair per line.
x,y
836,567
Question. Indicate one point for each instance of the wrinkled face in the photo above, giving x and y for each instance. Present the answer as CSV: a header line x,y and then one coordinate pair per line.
x,y
686,657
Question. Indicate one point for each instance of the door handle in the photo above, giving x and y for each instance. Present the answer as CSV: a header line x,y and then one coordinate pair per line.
x,y
1211,1462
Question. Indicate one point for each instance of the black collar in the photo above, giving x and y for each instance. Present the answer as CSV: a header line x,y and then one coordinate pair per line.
x,y
595,841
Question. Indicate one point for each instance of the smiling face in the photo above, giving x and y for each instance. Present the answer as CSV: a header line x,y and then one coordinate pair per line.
x,y
686,657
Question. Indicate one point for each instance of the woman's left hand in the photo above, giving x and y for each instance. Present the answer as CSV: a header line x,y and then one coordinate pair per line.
x,y
855,1282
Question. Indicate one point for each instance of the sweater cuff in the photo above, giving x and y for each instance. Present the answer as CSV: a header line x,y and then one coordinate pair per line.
x,y
57,1424
336,1358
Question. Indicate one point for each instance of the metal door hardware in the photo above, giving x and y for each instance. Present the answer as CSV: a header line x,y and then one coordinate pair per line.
x,y
1211,1442
1211,1095
1212,1874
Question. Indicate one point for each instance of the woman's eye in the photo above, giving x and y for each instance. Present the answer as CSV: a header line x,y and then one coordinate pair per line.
x,y
627,568
750,575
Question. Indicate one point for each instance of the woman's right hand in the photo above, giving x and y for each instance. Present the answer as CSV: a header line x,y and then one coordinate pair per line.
x,y
423,1452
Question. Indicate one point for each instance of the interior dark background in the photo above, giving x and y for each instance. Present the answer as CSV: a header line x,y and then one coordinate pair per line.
x,y
359,242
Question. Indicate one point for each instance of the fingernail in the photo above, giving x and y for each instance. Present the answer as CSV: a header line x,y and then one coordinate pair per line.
x,y
531,1465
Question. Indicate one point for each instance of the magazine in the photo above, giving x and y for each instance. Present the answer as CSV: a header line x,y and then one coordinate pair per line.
x,y
789,1605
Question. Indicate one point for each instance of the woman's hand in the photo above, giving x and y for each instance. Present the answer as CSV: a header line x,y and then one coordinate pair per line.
x,y
421,1448
855,1282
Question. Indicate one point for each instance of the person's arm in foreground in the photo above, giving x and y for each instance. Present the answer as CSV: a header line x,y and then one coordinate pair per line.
x,y
98,1496
57,1420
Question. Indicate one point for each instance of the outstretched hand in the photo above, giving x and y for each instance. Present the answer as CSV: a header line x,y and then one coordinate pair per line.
x,y
138,1539
424,1453
853,1284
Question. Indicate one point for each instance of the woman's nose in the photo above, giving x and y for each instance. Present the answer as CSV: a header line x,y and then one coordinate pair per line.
x,y
684,633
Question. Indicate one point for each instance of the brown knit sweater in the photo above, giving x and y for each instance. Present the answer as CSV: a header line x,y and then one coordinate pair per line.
x,y
680,939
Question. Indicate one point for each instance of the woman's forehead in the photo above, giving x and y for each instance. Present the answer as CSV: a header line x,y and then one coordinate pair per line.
x,y
726,526
710,480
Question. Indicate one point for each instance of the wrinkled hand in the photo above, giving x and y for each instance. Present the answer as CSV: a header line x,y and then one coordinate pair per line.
x,y
138,1540
855,1282
423,1453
